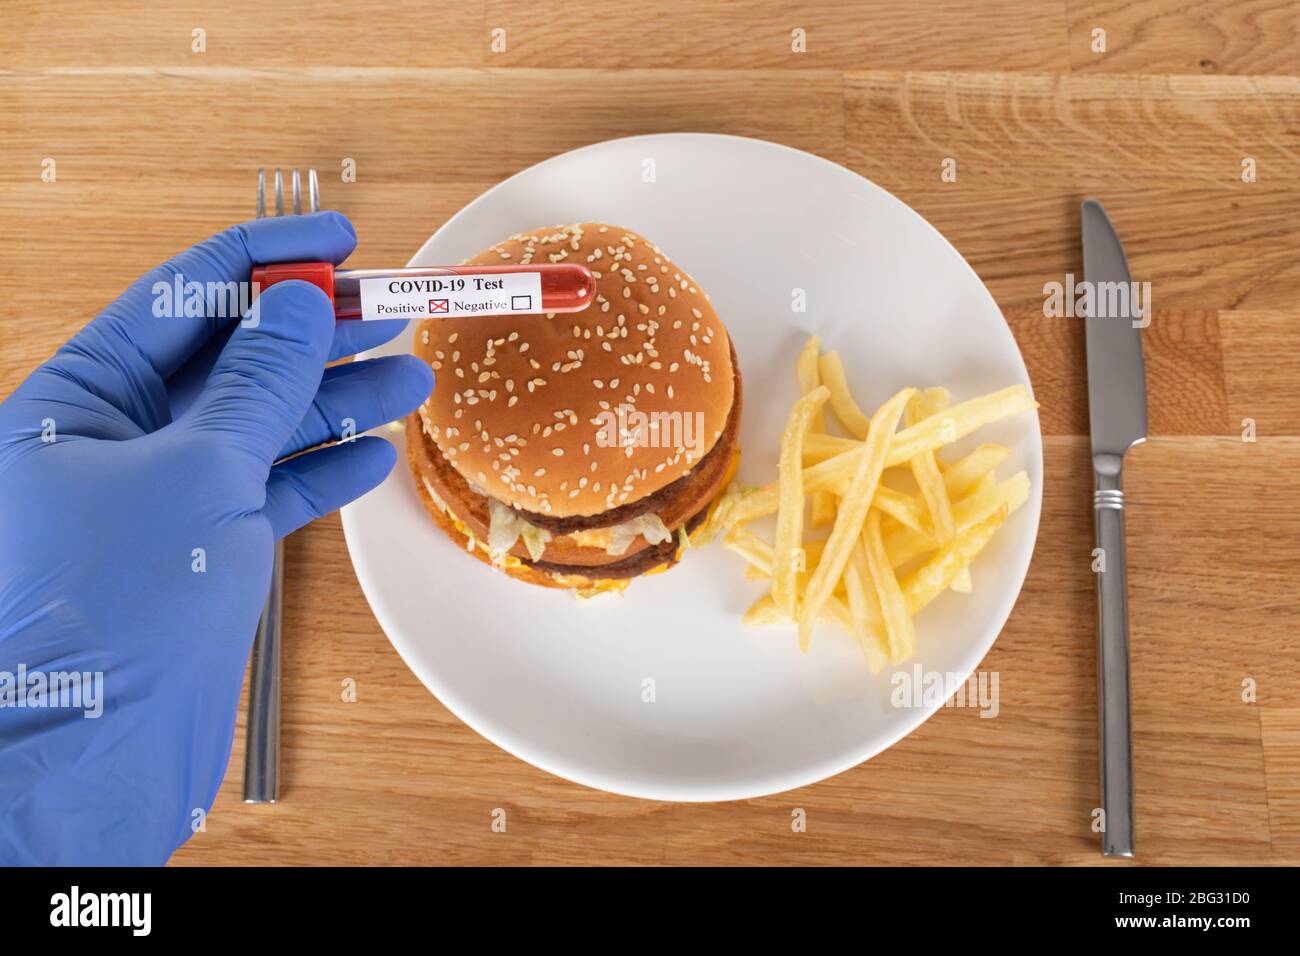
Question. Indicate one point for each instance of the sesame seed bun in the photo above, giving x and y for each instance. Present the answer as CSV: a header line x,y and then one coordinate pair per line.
x,y
535,412
521,401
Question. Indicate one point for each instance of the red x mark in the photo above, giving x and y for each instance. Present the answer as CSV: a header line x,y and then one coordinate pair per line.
x,y
437,305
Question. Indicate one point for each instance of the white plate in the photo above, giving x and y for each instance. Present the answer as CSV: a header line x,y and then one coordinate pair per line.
x,y
737,712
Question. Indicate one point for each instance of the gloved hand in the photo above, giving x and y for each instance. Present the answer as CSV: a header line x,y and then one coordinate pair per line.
x,y
141,499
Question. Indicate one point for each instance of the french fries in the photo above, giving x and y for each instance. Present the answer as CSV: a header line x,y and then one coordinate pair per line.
x,y
961,475
905,509
929,435
950,425
904,545
788,557
900,630
823,502
852,512
925,467
928,581
864,608
890,552
764,611
846,409
752,548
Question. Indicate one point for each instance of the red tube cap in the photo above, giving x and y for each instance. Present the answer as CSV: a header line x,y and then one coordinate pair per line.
x,y
319,274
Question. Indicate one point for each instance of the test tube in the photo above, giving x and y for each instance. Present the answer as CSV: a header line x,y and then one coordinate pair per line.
x,y
440,291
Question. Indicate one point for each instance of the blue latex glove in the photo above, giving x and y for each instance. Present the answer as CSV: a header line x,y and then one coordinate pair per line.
x,y
166,433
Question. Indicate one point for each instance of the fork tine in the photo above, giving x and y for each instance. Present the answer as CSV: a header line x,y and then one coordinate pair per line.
x,y
261,194
279,193
297,192
313,189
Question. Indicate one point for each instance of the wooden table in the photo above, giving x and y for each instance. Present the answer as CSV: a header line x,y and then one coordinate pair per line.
x,y
157,145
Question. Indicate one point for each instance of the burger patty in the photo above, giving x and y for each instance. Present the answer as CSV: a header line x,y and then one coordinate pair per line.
x,y
665,552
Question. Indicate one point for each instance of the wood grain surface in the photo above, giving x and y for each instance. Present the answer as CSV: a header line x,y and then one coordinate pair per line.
x,y
157,145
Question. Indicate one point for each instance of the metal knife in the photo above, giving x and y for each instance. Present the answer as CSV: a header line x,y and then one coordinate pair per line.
x,y
1117,413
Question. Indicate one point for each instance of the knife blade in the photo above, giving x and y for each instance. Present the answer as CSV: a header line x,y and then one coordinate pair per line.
x,y
1117,416
1117,383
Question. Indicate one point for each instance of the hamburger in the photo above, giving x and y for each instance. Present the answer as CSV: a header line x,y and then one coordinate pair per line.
x,y
579,450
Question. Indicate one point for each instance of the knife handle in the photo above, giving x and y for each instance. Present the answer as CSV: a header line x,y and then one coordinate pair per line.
x,y
1113,667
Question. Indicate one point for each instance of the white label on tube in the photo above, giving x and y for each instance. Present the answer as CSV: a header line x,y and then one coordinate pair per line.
x,y
422,297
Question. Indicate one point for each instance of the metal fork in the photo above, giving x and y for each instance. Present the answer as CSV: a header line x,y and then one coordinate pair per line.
x,y
262,753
